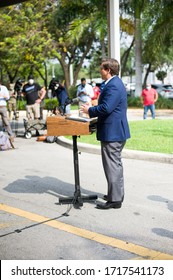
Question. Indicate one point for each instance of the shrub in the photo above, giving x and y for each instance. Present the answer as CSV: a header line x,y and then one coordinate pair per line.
x,y
21,104
50,104
162,103
134,102
72,92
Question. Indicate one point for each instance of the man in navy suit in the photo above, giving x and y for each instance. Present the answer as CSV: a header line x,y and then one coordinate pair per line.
x,y
112,130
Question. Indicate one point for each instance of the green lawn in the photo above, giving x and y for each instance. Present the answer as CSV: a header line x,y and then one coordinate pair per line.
x,y
146,135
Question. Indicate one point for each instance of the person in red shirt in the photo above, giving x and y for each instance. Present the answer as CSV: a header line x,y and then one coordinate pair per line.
x,y
148,97
94,99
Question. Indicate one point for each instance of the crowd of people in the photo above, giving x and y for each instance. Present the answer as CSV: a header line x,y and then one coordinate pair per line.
x,y
4,97
9,97
34,94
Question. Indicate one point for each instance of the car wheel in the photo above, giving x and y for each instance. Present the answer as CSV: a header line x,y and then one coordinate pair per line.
x,y
28,135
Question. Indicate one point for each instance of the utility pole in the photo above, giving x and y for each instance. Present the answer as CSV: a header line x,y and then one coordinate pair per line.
x,y
114,28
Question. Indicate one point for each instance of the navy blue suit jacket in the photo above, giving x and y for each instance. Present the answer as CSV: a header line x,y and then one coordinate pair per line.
x,y
111,111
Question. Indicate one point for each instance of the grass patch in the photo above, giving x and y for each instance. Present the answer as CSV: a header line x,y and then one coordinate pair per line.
x,y
151,136
146,135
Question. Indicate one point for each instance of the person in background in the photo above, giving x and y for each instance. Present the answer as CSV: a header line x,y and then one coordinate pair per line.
x,y
52,86
148,98
34,95
4,96
41,104
96,89
84,92
59,90
112,130
12,103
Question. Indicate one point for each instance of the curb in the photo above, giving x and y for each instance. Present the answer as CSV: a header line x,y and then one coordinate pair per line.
x,y
128,154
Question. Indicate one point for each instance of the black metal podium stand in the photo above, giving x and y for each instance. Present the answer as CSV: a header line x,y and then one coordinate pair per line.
x,y
77,200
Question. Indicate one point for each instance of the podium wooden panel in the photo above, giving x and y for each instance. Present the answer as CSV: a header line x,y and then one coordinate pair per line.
x,y
62,126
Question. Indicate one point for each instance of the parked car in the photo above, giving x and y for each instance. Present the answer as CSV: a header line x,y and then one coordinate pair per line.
x,y
167,91
163,90
130,88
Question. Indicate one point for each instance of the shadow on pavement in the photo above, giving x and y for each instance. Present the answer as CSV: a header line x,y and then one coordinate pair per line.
x,y
49,185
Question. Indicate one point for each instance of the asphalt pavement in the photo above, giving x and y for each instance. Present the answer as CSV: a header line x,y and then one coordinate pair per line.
x,y
33,225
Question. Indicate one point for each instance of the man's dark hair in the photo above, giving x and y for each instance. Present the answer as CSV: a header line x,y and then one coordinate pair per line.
x,y
30,77
112,65
83,79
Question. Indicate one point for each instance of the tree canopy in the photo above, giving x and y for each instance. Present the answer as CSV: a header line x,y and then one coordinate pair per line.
x,y
72,32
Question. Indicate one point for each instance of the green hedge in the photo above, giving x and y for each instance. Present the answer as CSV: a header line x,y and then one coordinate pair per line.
x,y
21,104
162,103
133,102
50,104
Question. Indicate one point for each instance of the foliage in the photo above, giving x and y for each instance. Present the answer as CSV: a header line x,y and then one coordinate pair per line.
x,y
25,41
50,104
161,75
134,102
156,31
162,103
75,33
72,92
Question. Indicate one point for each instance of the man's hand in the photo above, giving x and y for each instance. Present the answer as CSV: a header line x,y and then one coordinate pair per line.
x,y
38,101
3,95
82,92
84,108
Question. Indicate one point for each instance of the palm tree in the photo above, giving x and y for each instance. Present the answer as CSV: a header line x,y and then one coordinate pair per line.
x,y
135,9
158,46
74,33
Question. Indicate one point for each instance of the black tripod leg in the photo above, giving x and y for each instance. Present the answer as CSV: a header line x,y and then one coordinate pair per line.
x,y
77,200
76,167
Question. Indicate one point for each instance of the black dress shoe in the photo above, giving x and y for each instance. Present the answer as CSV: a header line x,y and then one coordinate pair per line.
x,y
109,205
105,197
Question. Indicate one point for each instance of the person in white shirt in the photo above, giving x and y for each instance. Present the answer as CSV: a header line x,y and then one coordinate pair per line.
x,y
84,93
4,96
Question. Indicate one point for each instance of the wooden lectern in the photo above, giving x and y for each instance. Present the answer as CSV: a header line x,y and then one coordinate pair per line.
x,y
63,126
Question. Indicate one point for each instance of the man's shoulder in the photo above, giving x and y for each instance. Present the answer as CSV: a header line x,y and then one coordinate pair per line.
x,y
38,85
114,81
154,90
88,85
25,85
79,86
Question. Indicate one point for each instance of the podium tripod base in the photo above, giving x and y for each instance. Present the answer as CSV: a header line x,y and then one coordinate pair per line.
x,y
77,201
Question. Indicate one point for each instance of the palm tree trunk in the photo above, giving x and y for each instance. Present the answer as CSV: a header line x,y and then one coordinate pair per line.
x,y
146,75
138,59
124,58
